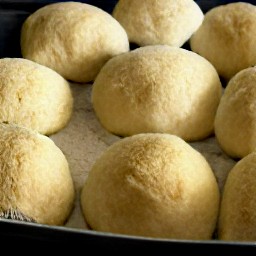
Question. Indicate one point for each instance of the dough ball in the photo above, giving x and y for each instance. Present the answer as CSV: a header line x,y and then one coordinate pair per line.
x,y
35,182
152,185
33,96
235,123
157,89
227,38
237,219
74,39
150,22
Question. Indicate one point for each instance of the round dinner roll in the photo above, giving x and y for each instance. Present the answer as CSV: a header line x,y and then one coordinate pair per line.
x,y
237,219
74,39
235,123
227,38
33,96
153,185
150,22
36,184
157,89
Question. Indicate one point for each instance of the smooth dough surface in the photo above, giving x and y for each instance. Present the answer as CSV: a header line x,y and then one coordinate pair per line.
x,y
33,96
235,122
157,89
152,185
35,182
237,221
150,22
227,38
74,39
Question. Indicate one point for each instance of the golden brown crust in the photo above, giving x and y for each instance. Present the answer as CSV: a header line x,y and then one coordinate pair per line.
x,y
227,38
157,89
152,185
33,96
149,22
34,177
74,39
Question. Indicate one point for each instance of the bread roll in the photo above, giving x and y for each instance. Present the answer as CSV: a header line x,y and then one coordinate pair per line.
x,y
36,184
152,185
237,219
227,38
33,96
150,22
74,39
235,123
157,89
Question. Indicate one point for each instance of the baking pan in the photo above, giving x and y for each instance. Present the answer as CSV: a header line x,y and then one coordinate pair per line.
x,y
92,241
12,15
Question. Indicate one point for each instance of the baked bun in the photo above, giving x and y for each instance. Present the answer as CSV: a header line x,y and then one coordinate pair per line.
x,y
235,123
74,39
157,89
33,96
237,219
36,184
227,38
150,22
153,185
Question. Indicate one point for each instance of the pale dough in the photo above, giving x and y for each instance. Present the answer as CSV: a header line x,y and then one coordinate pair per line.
x,y
152,185
33,96
235,122
74,39
158,89
35,181
84,140
237,219
227,38
150,22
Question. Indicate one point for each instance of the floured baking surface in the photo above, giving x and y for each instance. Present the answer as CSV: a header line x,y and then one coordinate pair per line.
x,y
84,140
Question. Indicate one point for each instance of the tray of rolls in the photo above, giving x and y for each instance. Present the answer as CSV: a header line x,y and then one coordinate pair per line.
x,y
128,124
